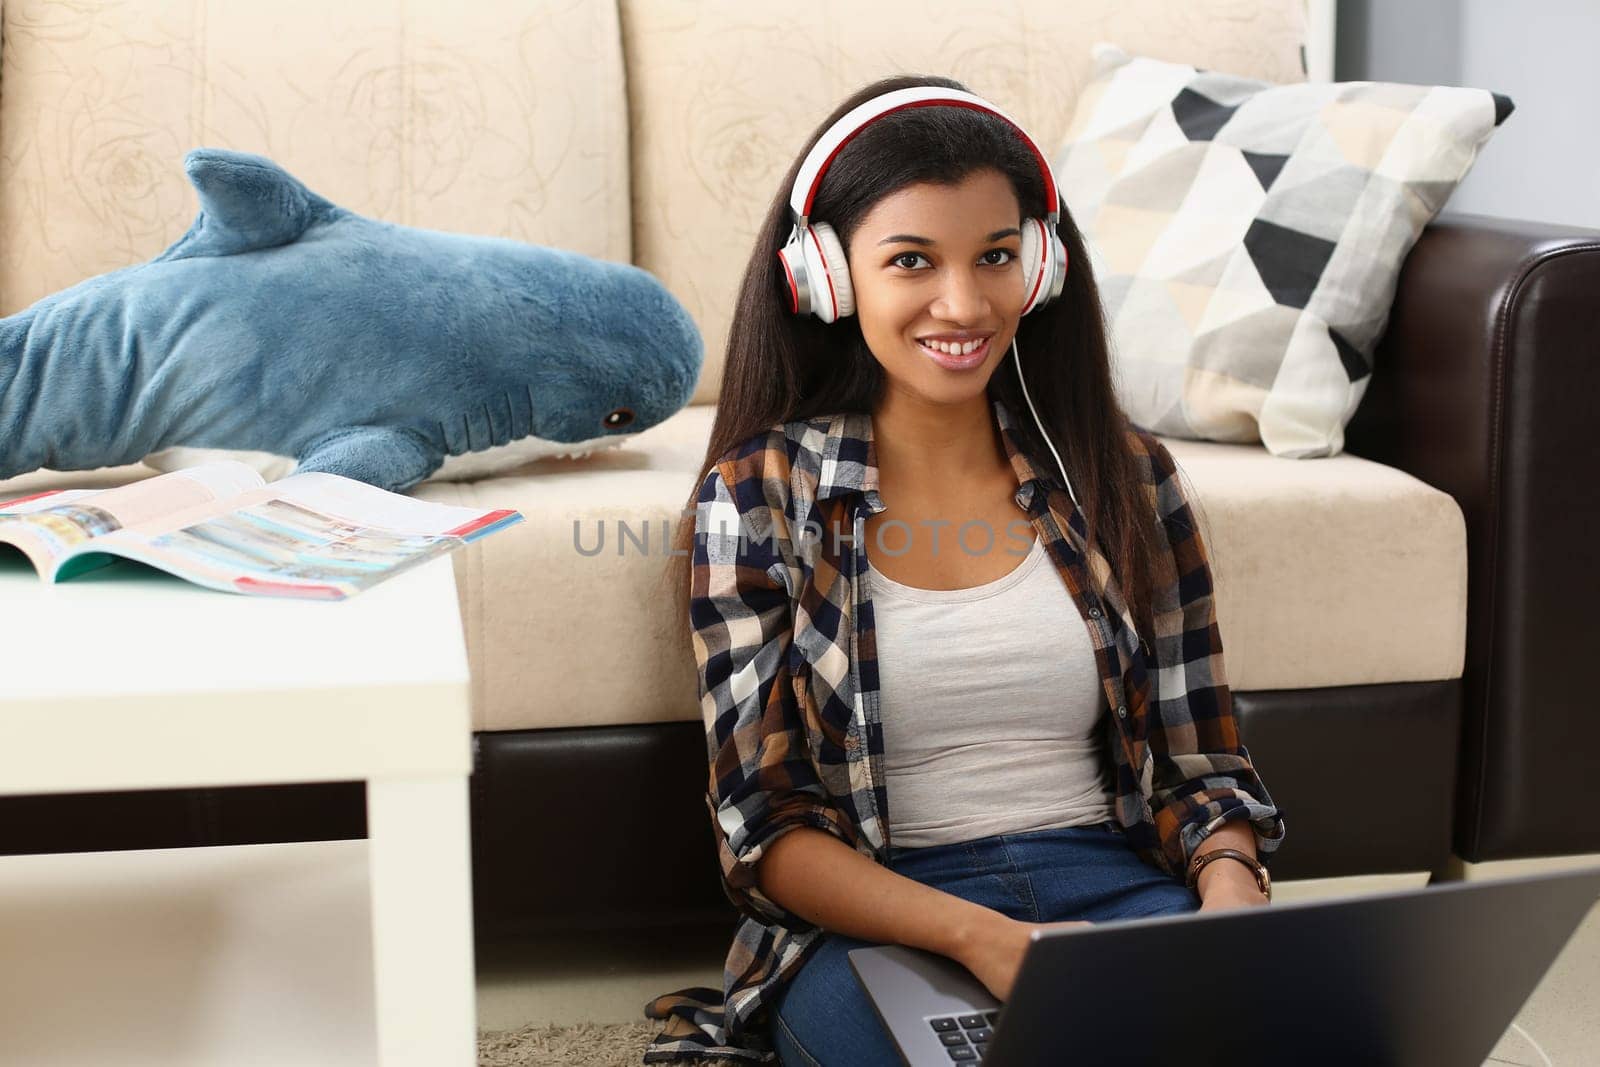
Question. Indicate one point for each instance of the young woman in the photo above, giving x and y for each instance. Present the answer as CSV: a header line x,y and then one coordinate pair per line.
x,y
961,679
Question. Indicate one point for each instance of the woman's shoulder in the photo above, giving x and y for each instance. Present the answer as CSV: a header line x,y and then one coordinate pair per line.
x,y
1151,453
778,460
1164,482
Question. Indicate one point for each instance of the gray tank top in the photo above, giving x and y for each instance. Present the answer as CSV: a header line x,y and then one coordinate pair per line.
x,y
991,706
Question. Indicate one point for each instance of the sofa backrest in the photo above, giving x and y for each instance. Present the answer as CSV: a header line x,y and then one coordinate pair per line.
x,y
494,117
504,118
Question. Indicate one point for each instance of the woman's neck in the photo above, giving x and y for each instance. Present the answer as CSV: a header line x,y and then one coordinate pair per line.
x,y
935,446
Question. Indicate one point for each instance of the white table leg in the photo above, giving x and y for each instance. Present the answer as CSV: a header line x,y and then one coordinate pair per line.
x,y
424,984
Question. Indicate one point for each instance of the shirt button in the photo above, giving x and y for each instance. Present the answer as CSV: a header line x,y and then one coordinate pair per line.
x,y
1122,711
1094,613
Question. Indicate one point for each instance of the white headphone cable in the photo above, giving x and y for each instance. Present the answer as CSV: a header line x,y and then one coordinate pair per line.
x,y
1039,423
1529,1039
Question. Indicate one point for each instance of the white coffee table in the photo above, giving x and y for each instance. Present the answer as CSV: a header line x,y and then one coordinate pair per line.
x,y
126,679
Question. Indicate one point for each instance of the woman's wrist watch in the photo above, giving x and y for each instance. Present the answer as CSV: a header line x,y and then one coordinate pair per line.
x,y
1263,879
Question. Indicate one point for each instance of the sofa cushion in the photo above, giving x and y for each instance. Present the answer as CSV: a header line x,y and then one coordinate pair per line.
x,y
1337,572
559,638
722,95
498,118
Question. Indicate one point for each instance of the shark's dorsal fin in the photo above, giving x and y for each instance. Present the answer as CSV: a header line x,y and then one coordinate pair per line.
x,y
247,202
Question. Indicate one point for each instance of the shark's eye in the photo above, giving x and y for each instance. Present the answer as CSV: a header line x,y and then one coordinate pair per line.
x,y
617,419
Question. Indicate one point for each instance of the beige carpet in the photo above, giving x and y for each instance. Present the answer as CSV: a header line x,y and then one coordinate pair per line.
x,y
581,1045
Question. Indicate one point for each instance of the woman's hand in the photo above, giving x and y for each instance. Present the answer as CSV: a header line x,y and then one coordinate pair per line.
x,y
994,953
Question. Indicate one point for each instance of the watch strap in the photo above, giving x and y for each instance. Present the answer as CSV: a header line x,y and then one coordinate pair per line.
x,y
1256,867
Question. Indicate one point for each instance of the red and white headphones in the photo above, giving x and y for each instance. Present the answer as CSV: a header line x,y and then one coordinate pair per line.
x,y
813,259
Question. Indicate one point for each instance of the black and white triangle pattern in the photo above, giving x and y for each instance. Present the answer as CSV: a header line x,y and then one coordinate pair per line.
x,y
1247,237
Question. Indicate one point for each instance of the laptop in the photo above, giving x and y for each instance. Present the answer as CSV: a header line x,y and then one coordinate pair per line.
x,y
1418,977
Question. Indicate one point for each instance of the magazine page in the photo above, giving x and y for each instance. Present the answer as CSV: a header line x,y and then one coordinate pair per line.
x,y
314,535
49,525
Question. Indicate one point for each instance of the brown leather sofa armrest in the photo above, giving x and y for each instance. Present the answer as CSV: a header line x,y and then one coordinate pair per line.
x,y
1487,386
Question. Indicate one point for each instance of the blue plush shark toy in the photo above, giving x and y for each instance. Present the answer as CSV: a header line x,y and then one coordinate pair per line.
x,y
283,323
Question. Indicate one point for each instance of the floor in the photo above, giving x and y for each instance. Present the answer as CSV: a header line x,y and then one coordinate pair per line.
x,y
1561,1015
567,979
173,957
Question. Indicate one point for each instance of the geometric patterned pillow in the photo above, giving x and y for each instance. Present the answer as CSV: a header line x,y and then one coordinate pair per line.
x,y
1247,237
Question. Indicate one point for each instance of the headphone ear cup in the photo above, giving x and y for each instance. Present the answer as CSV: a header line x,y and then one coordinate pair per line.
x,y
793,261
1038,266
832,297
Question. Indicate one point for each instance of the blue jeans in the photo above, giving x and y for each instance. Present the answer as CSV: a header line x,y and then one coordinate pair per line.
x,y
822,1016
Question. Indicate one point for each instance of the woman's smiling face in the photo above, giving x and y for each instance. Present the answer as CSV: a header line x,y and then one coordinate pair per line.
x,y
936,270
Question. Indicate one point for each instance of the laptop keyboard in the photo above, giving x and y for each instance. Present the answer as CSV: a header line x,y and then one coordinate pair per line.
x,y
965,1037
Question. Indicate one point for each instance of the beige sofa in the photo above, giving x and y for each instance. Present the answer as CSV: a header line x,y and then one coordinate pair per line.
x,y
654,132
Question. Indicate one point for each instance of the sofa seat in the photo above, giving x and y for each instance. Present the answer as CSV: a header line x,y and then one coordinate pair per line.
x,y
1330,572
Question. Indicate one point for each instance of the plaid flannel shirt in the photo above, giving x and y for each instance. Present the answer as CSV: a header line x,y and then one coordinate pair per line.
x,y
783,636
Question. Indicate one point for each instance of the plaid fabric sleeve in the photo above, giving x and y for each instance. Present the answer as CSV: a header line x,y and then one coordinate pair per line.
x,y
1202,774
762,782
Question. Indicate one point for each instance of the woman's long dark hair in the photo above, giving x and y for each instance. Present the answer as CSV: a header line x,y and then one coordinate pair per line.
x,y
782,367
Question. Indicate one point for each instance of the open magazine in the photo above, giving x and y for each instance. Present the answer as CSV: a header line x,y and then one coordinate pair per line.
x,y
314,535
